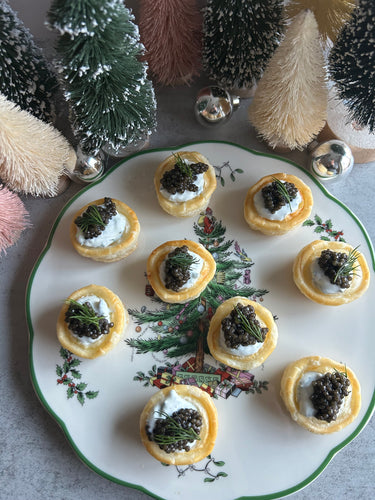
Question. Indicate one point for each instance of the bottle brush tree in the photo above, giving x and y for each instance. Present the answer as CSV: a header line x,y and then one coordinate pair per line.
x,y
26,78
172,35
352,65
239,37
111,100
290,103
14,218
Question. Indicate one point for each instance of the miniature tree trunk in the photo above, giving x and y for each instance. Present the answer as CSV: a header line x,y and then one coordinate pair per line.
x,y
289,105
111,100
171,32
25,77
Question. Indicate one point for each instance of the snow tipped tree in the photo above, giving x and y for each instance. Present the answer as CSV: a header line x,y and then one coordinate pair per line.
x,y
352,65
172,35
330,15
33,154
239,37
111,100
26,78
289,106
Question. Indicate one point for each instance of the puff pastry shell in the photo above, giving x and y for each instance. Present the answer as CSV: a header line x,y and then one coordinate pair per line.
x,y
119,316
264,316
195,205
291,221
302,274
120,248
203,447
156,259
289,387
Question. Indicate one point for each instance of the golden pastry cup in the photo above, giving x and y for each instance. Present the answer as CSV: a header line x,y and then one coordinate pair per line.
x,y
203,447
118,315
195,205
120,248
250,361
289,386
156,259
302,274
291,221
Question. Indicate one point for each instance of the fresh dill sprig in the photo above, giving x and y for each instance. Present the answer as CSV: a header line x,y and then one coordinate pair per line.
x,y
176,432
183,260
248,326
280,186
349,267
85,314
89,218
183,166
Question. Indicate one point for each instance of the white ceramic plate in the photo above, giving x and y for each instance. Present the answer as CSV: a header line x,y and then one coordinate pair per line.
x,y
259,451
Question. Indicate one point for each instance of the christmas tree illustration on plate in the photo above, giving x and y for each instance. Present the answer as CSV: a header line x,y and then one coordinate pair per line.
x,y
180,330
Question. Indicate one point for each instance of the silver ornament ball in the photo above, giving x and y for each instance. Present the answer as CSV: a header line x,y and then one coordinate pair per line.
x,y
88,168
331,160
214,106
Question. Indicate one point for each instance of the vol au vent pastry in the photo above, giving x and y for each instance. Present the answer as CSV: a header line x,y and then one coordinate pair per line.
x,y
184,183
92,321
179,425
180,270
331,273
242,333
105,230
322,396
277,204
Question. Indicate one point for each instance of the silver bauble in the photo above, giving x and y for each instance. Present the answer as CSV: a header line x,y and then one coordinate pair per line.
x,y
331,160
126,149
88,168
214,106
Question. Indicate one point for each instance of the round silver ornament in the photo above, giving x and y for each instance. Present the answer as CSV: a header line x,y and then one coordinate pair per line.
x,y
88,168
127,148
331,160
214,106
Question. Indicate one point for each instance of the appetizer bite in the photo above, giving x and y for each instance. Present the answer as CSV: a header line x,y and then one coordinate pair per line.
x,y
331,272
179,425
184,183
180,270
277,204
322,396
91,322
105,230
242,333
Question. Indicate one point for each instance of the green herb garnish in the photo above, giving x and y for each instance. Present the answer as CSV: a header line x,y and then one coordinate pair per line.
x,y
85,314
183,166
350,265
183,260
89,218
176,432
249,326
280,186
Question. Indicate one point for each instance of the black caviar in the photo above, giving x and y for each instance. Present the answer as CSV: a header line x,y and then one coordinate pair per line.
x,y
177,268
273,197
329,392
181,178
93,221
238,331
167,435
83,321
330,262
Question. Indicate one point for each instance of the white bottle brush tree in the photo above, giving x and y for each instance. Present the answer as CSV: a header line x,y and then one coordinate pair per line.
x,y
26,78
352,65
239,37
290,103
111,100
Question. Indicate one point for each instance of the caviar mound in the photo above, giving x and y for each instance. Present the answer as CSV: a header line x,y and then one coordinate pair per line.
x,y
239,362
291,221
160,254
303,277
118,316
120,248
289,393
195,205
208,432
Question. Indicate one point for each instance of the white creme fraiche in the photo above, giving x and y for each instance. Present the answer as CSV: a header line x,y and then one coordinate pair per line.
x,y
323,283
186,195
195,270
112,232
101,308
279,214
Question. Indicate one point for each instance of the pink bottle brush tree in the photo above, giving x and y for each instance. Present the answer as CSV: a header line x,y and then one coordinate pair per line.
x,y
171,31
14,218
